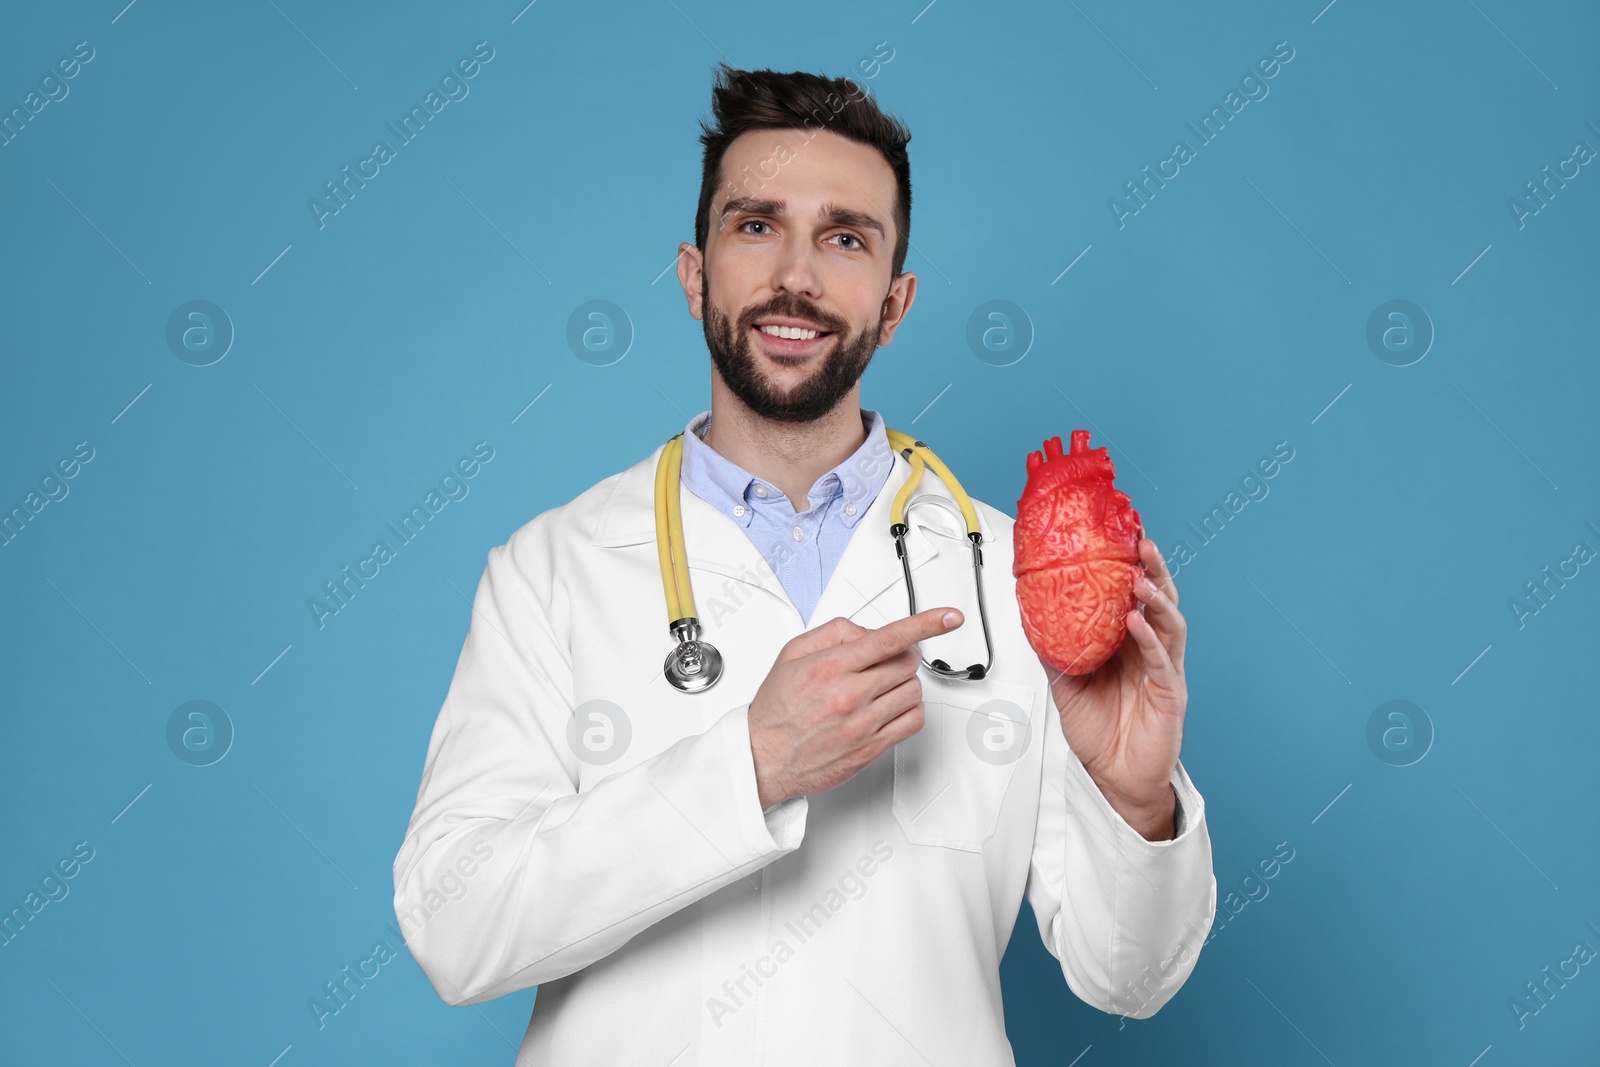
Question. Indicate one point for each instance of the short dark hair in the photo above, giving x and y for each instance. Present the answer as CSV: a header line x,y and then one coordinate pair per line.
x,y
745,100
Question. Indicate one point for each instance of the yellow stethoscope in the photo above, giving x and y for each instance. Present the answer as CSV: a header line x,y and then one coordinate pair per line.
x,y
695,665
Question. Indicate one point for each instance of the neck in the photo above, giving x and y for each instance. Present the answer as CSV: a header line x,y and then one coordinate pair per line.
x,y
791,456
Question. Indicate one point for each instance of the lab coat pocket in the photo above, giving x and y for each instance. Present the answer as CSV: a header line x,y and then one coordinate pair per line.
x,y
951,777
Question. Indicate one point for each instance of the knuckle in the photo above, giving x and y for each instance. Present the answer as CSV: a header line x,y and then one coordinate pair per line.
x,y
915,717
858,732
839,702
835,628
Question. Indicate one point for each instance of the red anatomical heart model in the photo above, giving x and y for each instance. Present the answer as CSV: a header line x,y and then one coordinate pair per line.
x,y
1076,558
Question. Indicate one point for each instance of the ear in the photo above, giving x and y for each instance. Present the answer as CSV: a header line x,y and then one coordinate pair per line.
x,y
691,275
897,304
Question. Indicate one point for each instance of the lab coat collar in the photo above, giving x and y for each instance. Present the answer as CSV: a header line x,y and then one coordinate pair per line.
x,y
716,543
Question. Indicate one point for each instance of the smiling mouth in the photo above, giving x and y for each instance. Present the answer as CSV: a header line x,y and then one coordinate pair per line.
x,y
792,345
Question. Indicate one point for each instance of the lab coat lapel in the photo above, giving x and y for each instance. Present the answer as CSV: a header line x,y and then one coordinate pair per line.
x,y
870,565
715,542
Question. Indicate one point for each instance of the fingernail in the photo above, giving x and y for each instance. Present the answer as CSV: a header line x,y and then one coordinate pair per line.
x,y
951,618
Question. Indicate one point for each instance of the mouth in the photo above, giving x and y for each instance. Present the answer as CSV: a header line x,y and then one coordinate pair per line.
x,y
798,343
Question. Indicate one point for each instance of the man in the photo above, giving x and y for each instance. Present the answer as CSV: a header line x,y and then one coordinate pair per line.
x,y
820,858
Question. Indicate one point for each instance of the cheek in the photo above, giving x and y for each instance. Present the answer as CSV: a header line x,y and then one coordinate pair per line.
x,y
849,308
854,294
739,272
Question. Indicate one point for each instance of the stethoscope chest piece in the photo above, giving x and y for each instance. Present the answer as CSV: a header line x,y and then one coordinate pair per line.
x,y
694,665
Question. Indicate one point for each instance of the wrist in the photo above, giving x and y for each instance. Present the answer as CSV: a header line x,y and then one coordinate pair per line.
x,y
769,790
1152,815
1159,827
768,797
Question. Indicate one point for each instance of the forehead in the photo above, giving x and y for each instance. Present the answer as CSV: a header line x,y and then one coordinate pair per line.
x,y
807,168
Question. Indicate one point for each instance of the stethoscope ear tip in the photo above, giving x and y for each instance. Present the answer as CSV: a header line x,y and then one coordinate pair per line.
x,y
974,673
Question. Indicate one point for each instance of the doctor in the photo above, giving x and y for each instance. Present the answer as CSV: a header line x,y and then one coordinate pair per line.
x,y
819,859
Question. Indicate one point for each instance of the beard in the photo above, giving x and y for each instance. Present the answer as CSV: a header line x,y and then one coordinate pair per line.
x,y
816,396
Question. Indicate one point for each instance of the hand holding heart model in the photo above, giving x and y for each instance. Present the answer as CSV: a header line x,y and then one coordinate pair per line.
x,y
1076,556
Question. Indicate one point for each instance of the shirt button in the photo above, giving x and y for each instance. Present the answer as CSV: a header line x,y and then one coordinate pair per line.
x,y
799,535
849,509
761,490
738,510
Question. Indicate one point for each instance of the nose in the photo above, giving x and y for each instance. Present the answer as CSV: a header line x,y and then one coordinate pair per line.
x,y
795,269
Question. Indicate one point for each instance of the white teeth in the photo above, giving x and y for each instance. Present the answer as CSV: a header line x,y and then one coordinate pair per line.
x,y
791,333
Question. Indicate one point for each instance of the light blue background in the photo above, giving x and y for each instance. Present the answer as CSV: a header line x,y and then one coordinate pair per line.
x,y
1228,315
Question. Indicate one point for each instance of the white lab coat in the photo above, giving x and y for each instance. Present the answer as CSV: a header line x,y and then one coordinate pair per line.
x,y
665,917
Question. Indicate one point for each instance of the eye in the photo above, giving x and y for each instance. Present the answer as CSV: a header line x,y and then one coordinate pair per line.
x,y
859,243
751,222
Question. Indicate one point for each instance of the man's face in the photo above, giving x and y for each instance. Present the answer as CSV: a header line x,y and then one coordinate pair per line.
x,y
801,235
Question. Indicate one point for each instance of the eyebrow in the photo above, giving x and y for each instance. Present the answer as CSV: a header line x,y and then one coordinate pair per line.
x,y
839,216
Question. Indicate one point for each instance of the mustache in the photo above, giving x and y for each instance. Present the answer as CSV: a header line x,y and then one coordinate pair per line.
x,y
795,309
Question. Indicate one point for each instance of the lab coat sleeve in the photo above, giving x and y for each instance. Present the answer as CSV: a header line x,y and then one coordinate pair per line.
x,y
1126,917
508,876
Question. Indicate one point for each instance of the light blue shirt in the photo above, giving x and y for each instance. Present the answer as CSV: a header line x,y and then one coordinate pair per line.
x,y
802,548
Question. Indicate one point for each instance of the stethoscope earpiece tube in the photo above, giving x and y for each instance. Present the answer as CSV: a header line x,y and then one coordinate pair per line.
x,y
919,455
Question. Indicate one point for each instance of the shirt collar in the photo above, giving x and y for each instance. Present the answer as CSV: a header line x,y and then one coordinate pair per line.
x,y
727,486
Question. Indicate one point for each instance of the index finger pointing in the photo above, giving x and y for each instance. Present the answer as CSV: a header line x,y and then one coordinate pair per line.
x,y
834,632
875,646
